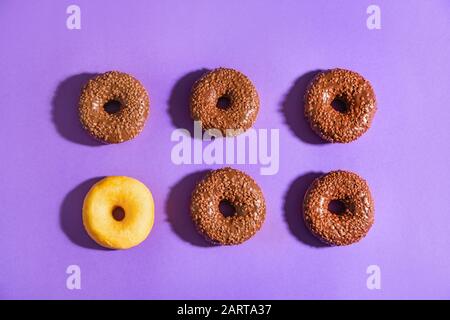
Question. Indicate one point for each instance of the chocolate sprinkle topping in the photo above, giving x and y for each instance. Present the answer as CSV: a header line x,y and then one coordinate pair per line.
x,y
339,228
242,192
119,126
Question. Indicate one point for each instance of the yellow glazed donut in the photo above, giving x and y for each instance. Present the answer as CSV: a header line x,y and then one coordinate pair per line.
x,y
113,196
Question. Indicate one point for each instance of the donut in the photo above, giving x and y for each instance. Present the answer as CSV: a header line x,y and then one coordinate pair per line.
x,y
229,86
352,222
345,87
118,212
130,107
244,195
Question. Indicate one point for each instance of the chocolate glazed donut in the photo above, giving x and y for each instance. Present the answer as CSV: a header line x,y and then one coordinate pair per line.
x,y
242,192
119,124
346,87
240,97
352,222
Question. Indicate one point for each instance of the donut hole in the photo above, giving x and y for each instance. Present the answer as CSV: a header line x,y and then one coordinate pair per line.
x,y
337,207
339,105
226,208
118,213
224,102
112,106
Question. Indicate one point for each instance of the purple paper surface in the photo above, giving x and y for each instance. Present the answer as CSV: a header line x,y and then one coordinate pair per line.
x,y
48,162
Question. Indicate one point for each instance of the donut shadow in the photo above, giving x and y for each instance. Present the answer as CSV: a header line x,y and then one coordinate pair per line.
x,y
70,217
292,108
293,210
178,213
179,100
65,110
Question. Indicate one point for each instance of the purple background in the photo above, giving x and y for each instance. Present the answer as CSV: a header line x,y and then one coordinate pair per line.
x,y
48,162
